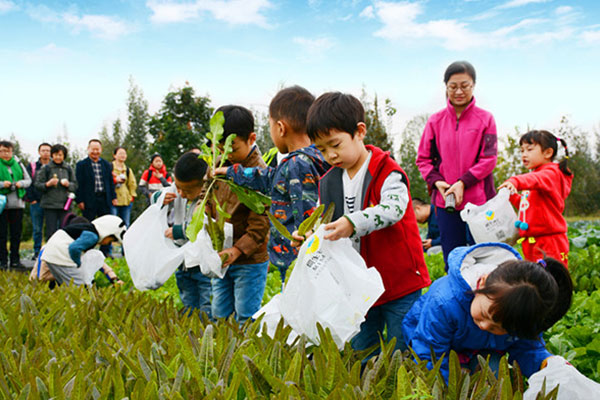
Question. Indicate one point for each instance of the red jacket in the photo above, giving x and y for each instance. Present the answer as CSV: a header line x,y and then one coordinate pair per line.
x,y
543,201
396,251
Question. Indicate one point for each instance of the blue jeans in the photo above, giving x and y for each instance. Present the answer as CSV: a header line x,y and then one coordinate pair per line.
x,y
37,220
389,314
124,212
194,289
454,232
240,291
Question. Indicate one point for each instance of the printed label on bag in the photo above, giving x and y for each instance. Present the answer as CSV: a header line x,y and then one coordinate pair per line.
x,y
313,244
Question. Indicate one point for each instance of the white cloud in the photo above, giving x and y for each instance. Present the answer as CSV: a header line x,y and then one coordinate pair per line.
x,y
400,21
235,12
6,6
315,46
563,10
591,37
367,13
50,52
520,3
103,26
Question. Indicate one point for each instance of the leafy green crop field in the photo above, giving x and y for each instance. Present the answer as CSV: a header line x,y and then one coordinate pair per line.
x,y
109,342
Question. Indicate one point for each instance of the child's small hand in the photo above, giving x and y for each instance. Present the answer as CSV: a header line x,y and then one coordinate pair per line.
x,y
229,256
427,244
341,228
508,184
169,233
169,197
298,239
220,171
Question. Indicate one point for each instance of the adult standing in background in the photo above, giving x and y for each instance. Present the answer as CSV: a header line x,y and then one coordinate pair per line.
x,y
14,179
96,189
457,154
56,181
125,185
33,196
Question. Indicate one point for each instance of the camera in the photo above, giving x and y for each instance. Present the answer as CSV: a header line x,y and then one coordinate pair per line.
x,y
450,205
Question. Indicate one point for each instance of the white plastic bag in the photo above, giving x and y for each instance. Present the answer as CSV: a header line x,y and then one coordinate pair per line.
x,y
272,316
573,384
152,257
201,253
493,221
91,261
331,285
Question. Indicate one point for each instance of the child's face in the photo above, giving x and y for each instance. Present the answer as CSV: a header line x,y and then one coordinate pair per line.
x,y
6,153
108,240
240,148
533,156
480,312
275,129
58,157
157,163
342,150
421,212
189,190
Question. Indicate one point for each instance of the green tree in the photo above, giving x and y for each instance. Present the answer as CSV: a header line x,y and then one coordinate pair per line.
x,y
509,158
18,151
137,139
378,121
180,124
263,131
111,141
411,136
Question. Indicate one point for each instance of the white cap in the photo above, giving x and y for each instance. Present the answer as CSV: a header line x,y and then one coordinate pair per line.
x,y
107,225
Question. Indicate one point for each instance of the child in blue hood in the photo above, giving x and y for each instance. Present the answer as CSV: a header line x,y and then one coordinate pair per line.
x,y
491,302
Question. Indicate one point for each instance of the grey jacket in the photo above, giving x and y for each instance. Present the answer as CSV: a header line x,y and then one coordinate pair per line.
x,y
55,197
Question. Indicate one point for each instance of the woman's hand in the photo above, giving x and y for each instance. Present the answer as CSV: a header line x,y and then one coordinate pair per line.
x,y
458,189
64,182
509,185
51,182
442,186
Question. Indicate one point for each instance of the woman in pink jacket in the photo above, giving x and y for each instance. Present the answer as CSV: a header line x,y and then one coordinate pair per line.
x,y
457,155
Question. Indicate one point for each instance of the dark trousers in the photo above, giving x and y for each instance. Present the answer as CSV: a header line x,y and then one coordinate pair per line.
x,y
454,232
54,217
11,219
97,209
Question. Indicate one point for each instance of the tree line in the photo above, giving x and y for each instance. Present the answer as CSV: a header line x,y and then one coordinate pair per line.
x,y
183,119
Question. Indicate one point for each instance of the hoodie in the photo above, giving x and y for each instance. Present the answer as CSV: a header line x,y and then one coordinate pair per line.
x,y
441,320
293,188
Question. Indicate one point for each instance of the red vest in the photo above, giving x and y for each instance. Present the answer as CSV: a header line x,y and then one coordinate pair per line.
x,y
396,251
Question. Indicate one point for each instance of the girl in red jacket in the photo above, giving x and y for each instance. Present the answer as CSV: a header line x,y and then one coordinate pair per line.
x,y
542,202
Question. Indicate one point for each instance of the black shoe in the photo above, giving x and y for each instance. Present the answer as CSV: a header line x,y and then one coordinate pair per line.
x,y
35,256
16,265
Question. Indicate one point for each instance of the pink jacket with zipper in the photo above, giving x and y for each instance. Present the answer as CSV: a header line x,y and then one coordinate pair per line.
x,y
463,149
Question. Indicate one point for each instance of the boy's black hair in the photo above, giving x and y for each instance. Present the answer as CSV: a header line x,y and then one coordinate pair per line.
x,y
291,105
547,140
59,147
44,144
189,167
459,67
334,110
7,144
238,120
418,202
528,297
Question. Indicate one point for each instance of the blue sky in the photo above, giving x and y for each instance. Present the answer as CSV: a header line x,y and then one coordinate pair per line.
x,y
68,63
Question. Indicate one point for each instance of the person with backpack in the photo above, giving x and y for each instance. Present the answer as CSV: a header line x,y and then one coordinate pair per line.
x,y
33,197
125,186
155,177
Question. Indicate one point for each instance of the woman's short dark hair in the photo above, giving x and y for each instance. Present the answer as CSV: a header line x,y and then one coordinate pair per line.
x,y
117,149
7,144
59,147
189,167
459,67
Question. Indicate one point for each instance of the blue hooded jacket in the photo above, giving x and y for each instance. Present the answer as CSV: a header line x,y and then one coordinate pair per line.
x,y
441,318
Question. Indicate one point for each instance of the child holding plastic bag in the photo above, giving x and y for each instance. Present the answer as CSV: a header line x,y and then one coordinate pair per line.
x,y
63,252
373,208
491,302
545,189
185,195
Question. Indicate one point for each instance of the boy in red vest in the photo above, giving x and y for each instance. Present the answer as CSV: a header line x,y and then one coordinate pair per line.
x,y
373,208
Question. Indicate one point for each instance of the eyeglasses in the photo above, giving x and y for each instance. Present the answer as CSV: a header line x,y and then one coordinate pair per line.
x,y
464,87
